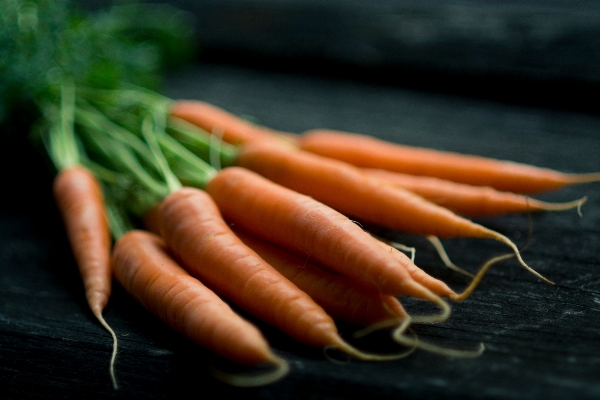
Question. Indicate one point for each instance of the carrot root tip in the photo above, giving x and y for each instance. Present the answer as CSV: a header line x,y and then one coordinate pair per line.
x,y
477,278
350,350
439,247
253,379
113,357
584,178
434,318
513,246
388,323
401,338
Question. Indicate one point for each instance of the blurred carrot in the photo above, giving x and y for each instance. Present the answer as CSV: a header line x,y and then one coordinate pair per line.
x,y
369,152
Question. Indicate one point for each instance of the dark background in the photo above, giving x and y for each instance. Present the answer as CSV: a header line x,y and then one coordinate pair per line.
x,y
511,80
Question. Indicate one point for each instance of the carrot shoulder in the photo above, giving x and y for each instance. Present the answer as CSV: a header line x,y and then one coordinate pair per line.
x,y
369,152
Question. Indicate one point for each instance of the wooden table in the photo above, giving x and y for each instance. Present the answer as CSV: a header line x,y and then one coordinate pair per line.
x,y
542,341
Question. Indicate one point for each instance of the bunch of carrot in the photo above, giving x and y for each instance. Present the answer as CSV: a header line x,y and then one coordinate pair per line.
x,y
207,210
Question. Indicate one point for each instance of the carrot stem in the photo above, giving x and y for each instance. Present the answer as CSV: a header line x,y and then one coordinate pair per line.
x,y
150,132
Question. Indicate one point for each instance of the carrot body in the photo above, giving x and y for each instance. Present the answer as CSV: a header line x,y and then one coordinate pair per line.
x,y
144,268
192,226
474,201
80,201
214,119
352,192
368,152
342,299
301,223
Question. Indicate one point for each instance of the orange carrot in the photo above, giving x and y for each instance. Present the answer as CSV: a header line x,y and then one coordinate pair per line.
x,y
369,152
80,200
352,192
192,226
298,222
343,299
474,201
213,119
146,270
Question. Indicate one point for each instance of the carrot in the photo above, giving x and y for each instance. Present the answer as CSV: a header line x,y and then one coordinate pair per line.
x,y
145,269
369,152
194,230
232,129
79,198
464,199
343,299
350,191
303,224
338,184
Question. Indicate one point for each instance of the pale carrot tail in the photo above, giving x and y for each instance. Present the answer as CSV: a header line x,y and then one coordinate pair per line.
x,y
513,246
253,379
434,318
98,315
477,279
401,338
575,179
414,343
342,345
439,247
561,206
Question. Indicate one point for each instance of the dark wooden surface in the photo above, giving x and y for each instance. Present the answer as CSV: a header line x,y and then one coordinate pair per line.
x,y
542,341
347,66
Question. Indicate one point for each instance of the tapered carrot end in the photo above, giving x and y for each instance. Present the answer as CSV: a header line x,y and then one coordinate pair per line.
x,y
477,278
254,379
491,234
439,247
401,338
544,206
98,314
574,179
341,345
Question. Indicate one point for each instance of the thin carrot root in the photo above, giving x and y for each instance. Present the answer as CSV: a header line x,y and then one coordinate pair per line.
x,y
98,315
439,247
509,243
400,337
414,343
253,379
398,246
389,323
583,178
434,318
477,279
341,345
545,206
